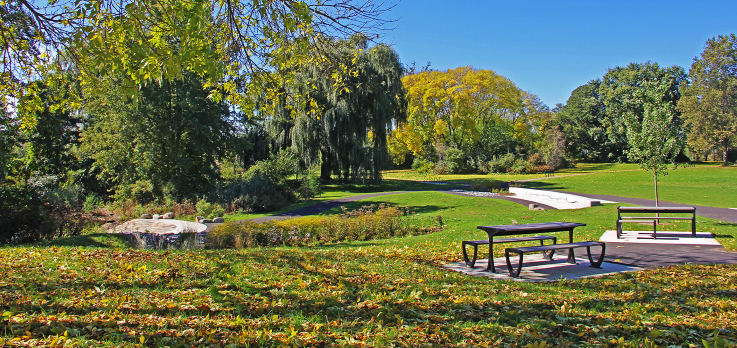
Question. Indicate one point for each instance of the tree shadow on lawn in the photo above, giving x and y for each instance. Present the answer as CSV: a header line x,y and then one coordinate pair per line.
x,y
414,209
540,185
101,240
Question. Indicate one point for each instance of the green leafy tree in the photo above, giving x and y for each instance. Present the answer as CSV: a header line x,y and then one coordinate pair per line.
x,y
230,44
709,102
167,143
350,102
643,99
583,122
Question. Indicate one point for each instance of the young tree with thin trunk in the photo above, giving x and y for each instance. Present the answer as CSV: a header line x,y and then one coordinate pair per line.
x,y
642,98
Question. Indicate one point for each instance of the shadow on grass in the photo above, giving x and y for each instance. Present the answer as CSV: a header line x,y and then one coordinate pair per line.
x,y
541,185
589,167
101,240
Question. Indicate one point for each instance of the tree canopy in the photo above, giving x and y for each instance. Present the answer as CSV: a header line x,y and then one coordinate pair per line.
x,y
460,107
709,101
347,112
231,45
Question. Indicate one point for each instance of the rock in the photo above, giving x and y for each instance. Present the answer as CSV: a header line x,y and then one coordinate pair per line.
x,y
218,220
157,216
145,216
169,215
199,219
595,203
206,221
533,206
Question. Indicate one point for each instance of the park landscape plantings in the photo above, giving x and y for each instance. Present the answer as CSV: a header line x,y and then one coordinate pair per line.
x,y
389,292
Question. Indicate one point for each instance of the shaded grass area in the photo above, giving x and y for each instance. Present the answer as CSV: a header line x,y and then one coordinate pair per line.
x,y
700,185
375,293
337,191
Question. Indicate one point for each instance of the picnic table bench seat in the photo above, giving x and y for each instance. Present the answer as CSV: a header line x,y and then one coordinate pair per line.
x,y
475,243
543,248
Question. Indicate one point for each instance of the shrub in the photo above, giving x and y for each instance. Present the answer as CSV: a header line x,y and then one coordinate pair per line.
x,y
310,186
217,211
369,222
502,164
24,217
455,161
204,208
422,166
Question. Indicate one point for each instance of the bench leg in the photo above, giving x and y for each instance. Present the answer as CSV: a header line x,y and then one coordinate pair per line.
x,y
693,226
549,255
619,229
655,229
472,262
512,272
597,263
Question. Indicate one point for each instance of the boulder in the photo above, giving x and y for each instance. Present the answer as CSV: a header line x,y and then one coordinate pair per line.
x,y
533,206
206,221
218,220
169,215
199,219
157,216
145,216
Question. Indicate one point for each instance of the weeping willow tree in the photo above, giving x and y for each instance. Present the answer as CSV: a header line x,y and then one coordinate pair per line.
x,y
342,109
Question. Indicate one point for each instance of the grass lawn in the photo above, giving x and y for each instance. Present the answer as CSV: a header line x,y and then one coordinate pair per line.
x,y
373,293
700,185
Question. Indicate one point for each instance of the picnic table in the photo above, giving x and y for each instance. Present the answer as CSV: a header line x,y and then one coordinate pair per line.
x,y
655,217
523,229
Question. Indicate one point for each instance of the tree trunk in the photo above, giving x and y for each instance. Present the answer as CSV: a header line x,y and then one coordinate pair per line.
x,y
325,167
656,188
725,150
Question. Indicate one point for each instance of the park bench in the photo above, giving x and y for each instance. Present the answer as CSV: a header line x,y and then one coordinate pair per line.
x,y
656,211
543,248
476,243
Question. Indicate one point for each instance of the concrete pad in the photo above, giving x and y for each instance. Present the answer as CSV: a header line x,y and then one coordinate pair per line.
x,y
664,237
538,269
166,226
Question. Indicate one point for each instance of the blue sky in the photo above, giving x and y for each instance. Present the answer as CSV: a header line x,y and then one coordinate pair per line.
x,y
551,47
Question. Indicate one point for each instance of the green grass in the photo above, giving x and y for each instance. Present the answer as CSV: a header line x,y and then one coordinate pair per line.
x,y
701,185
337,191
374,293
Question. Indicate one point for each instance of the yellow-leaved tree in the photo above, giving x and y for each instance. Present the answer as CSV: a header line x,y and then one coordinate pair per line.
x,y
476,111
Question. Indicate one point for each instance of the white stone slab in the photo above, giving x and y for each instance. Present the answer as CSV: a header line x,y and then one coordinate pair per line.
x,y
160,226
557,200
537,269
664,237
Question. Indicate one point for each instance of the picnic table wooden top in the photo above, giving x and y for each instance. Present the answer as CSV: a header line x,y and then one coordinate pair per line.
x,y
657,209
530,228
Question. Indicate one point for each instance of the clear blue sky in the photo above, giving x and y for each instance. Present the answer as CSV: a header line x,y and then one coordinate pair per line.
x,y
551,47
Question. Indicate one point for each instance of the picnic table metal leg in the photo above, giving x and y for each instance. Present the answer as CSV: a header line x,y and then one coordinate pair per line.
x,y
571,255
490,266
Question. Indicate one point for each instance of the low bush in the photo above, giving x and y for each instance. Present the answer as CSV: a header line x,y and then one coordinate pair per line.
x,y
367,223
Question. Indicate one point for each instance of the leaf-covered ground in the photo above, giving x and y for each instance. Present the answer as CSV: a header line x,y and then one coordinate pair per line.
x,y
376,293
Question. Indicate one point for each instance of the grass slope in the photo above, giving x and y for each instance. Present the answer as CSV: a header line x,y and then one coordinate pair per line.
x,y
376,293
